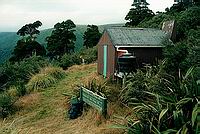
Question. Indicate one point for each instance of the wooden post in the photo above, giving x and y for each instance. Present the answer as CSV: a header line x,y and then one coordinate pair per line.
x,y
81,94
104,110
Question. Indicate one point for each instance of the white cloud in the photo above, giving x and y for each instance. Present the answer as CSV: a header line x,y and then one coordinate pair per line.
x,y
15,13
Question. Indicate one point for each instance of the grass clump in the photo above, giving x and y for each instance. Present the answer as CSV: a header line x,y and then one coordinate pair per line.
x,y
47,77
55,72
40,81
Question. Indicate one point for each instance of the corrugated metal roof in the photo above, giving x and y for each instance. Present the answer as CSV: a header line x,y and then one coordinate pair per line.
x,y
123,36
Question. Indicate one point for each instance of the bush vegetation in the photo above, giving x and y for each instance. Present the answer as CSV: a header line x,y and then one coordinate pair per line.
x,y
162,103
98,88
18,73
6,104
85,56
69,60
47,77
89,55
166,98
13,77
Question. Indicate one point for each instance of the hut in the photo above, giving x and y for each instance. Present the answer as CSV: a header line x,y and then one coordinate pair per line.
x,y
123,49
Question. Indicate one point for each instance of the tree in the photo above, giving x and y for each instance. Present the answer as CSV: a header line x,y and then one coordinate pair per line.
x,y
25,49
189,19
27,46
62,39
30,30
138,13
91,36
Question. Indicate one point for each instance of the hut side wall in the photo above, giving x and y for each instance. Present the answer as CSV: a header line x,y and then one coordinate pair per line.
x,y
146,55
105,40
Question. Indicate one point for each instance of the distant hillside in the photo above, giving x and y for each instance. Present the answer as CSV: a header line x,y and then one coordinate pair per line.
x,y
8,40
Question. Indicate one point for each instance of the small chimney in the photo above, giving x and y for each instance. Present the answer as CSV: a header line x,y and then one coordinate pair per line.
x,y
170,28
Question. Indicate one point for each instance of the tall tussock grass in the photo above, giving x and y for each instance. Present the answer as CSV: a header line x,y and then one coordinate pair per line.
x,y
55,72
47,77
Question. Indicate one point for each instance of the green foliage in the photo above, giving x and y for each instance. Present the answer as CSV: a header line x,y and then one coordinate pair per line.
x,y
27,49
91,36
156,21
27,46
20,72
6,104
62,39
85,56
138,14
184,54
98,88
162,105
186,20
176,57
69,60
45,78
189,19
30,29
89,55
193,37
137,83
177,8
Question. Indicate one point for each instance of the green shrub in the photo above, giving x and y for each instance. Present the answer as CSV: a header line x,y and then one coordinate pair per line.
x,y
189,19
14,73
89,55
98,88
21,89
176,56
162,104
6,104
17,91
69,60
85,55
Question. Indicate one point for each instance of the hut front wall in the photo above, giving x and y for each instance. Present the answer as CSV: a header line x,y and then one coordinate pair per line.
x,y
111,53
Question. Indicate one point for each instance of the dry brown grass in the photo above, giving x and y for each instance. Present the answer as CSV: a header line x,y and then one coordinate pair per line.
x,y
28,100
76,68
45,112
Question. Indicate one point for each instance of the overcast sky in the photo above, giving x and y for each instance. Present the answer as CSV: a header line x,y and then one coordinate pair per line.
x,y
16,13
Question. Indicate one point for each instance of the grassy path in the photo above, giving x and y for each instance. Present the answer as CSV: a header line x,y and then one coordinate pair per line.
x,y
45,112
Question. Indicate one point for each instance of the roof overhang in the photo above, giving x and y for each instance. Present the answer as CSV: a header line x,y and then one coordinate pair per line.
x,y
118,46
